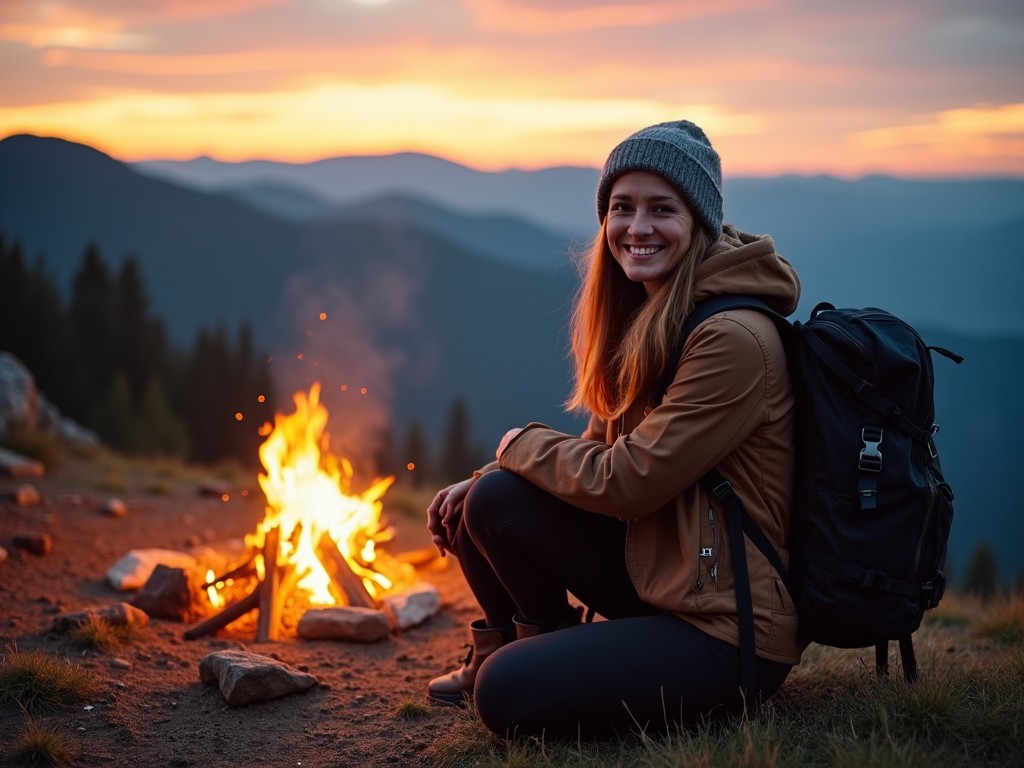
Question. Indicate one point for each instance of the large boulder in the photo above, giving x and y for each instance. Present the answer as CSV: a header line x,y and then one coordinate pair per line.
x,y
19,399
22,404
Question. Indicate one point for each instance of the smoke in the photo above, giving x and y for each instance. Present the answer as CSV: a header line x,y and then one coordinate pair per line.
x,y
346,337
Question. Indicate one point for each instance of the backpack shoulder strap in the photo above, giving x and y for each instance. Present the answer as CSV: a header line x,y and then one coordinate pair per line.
x,y
701,312
714,483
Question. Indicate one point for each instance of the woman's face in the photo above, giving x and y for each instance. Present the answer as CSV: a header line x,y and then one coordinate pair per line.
x,y
649,228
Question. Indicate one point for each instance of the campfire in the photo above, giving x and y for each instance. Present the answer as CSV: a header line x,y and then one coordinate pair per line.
x,y
318,543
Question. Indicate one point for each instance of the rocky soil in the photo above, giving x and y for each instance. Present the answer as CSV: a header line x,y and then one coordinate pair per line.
x,y
152,709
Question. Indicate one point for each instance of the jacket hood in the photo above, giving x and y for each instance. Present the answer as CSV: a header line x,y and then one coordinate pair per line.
x,y
749,265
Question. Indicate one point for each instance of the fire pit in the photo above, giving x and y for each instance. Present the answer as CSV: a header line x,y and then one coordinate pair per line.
x,y
317,544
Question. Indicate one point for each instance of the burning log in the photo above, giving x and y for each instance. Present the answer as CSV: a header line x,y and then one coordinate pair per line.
x,y
234,611
341,573
270,600
245,570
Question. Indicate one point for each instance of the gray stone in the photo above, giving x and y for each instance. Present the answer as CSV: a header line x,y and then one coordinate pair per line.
x,y
135,568
15,465
169,593
26,495
362,625
411,607
119,615
19,399
245,677
114,508
36,543
21,404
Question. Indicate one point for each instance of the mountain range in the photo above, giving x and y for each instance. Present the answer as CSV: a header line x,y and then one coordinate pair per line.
x,y
440,282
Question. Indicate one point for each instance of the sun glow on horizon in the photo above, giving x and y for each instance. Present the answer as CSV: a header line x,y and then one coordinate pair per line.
x,y
525,84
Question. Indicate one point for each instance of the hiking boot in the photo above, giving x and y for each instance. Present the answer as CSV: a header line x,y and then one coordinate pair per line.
x,y
456,687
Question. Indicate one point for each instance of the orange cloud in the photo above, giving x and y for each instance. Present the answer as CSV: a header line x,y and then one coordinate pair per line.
x,y
62,24
546,18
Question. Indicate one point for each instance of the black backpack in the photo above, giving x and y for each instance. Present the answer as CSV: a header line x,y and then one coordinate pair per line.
x,y
872,512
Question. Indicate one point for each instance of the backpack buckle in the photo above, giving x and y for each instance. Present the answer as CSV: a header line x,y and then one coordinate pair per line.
x,y
870,455
933,590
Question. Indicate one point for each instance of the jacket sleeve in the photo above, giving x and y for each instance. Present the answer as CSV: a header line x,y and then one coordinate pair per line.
x,y
715,401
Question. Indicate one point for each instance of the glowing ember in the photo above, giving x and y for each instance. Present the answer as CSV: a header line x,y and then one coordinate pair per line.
x,y
308,493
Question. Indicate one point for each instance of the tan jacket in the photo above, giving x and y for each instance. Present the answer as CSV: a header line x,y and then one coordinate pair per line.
x,y
730,405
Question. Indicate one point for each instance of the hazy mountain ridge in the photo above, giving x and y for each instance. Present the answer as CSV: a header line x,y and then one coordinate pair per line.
x,y
423,305
906,245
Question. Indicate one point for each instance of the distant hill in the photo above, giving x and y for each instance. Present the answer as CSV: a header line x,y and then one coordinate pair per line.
x,y
945,253
425,303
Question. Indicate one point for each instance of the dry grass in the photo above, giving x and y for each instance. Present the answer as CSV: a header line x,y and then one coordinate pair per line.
x,y
967,708
99,635
37,682
40,744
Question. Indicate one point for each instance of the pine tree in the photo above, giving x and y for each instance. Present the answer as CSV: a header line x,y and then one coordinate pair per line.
x,y
141,344
164,433
114,417
91,317
981,578
458,457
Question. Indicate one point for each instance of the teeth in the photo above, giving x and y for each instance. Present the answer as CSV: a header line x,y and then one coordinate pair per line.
x,y
643,251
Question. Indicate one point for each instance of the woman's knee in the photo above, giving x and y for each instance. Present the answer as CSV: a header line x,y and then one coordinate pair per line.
x,y
489,500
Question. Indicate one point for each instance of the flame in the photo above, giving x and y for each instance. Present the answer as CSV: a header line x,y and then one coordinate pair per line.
x,y
308,492
216,599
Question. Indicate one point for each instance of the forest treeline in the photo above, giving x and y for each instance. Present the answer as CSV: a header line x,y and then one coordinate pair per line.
x,y
105,360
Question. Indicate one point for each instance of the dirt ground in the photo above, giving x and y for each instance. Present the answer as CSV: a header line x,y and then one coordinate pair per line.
x,y
152,708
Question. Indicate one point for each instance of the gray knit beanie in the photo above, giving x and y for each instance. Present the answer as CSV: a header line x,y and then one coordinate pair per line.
x,y
680,152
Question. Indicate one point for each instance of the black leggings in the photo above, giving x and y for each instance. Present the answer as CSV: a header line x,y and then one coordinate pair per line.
x,y
521,549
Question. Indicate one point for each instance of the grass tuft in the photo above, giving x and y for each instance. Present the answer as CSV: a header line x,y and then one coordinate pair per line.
x,y
413,709
99,635
37,682
41,745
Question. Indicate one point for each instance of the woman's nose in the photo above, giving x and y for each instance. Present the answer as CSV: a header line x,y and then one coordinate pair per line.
x,y
640,225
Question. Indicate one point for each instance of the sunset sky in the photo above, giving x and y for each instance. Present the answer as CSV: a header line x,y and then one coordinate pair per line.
x,y
922,88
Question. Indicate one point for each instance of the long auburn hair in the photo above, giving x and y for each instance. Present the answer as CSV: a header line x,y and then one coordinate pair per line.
x,y
621,338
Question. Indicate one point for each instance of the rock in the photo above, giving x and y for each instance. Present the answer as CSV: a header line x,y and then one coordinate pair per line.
x,y
114,508
26,495
362,625
23,405
15,465
37,544
3,554
135,568
119,615
413,606
169,593
245,677
19,399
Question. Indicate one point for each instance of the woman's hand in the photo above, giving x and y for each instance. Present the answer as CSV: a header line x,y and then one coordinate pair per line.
x,y
505,440
444,512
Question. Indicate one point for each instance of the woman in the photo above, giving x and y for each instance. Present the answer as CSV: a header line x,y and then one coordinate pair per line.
x,y
617,517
